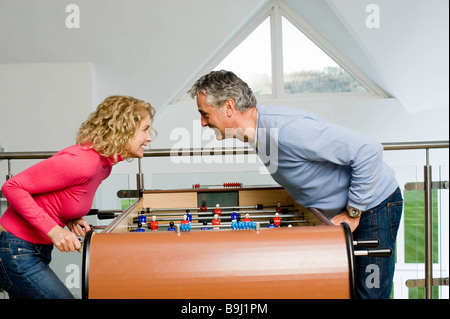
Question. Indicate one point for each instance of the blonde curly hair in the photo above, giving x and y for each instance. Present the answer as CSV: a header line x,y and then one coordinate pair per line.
x,y
108,129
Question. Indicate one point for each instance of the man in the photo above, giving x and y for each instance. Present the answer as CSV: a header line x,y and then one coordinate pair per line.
x,y
334,169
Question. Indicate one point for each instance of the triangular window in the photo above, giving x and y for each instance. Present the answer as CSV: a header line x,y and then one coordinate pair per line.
x,y
277,59
307,69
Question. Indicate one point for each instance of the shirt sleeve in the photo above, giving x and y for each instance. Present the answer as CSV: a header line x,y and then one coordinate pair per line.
x,y
50,175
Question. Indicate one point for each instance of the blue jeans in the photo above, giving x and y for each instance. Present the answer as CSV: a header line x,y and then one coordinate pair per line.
x,y
25,271
374,275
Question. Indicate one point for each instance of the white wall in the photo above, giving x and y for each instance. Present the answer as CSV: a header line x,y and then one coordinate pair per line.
x,y
43,104
41,107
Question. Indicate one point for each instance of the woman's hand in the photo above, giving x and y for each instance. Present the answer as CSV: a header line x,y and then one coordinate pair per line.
x,y
345,218
79,226
64,240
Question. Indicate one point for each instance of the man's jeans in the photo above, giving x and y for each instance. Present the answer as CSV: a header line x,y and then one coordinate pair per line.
x,y
374,275
25,271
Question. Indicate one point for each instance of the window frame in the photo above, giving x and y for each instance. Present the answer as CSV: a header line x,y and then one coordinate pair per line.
x,y
277,9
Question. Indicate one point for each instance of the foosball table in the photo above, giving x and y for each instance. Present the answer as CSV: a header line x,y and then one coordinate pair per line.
x,y
230,242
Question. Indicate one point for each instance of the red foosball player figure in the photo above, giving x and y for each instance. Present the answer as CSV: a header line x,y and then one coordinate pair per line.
x,y
277,220
216,221
154,223
185,220
279,209
203,208
218,211
246,219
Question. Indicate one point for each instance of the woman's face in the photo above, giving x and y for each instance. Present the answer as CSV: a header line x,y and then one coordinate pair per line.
x,y
136,145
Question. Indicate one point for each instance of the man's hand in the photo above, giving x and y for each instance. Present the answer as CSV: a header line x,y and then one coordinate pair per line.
x,y
64,240
345,218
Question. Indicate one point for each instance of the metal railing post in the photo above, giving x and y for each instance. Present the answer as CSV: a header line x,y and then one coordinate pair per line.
x,y
428,203
139,179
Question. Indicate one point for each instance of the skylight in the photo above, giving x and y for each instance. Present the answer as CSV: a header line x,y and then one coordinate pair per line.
x,y
308,70
283,56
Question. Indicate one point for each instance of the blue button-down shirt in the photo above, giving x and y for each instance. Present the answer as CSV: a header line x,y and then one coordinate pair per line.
x,y
321,164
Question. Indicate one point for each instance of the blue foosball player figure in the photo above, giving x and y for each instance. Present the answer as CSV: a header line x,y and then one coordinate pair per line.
x,y
188,215
171,228
204,226
234,215
142,218
140,228
271,225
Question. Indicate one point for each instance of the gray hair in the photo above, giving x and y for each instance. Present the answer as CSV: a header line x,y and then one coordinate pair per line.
x,y
221,85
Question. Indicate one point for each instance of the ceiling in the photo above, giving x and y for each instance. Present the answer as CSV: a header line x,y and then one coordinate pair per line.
x,y
153,49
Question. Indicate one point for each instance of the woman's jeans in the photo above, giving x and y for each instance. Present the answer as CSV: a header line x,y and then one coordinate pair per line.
x,y
25,271
374,275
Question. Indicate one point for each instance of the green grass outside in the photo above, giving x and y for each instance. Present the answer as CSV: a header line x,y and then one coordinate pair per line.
x,y
414,221
414,218
127,203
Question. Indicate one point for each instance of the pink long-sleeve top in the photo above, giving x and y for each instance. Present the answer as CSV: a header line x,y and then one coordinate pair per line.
x,y
53,191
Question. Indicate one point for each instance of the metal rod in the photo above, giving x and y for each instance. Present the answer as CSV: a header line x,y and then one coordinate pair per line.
x,y
428,230
211,213
9,175
411,283
221,151
414,145
198,152
26,155
210,209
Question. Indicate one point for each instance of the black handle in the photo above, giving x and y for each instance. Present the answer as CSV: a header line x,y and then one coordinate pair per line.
x,y
370,242
377,252
93,212
106,215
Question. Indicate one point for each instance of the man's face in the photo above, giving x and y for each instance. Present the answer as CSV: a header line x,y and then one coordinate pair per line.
x,y
212,118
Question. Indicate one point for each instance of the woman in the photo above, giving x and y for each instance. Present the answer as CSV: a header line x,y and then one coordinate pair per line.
x,y
58,191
